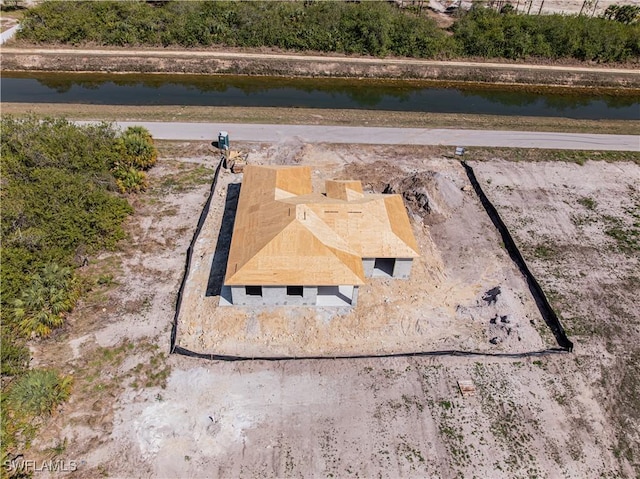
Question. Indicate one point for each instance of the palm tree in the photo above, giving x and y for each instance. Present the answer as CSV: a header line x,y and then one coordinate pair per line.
x,y
139,130
49,296
137,148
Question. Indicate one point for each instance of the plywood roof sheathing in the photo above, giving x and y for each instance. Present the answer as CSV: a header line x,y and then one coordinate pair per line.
x,y
285,234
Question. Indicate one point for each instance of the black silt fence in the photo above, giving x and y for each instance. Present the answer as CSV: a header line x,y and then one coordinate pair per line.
x,y
201,220
547,312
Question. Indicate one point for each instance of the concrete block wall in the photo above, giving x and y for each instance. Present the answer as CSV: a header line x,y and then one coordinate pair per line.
x,y
354,296
310,294
402,268
274,296
277,295
367,265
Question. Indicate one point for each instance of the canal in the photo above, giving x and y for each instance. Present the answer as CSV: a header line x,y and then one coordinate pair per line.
x,y
208,90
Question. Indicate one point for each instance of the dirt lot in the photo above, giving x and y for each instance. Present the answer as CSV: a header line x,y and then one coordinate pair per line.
x,y
439,308
136,412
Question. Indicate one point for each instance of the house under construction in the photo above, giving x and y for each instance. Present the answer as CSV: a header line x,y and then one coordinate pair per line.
x,y
291,246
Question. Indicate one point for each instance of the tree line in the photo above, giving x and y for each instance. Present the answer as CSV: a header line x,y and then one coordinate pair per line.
x,y
367,28
62,200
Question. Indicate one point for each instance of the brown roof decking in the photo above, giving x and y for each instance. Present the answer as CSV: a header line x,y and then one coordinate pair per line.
x,y
284,234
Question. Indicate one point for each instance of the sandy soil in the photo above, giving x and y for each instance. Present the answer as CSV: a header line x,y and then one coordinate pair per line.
x,y
137,413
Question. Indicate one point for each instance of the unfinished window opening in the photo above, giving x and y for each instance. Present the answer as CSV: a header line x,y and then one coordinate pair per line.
x,y
295,291
253,290
383,267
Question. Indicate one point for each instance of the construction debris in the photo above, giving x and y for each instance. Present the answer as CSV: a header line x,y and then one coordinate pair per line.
x,y
491,296
467,388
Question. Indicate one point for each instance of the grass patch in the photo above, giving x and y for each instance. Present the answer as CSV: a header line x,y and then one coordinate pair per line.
x,y
579,157
622,378
626,230
104,371
544,251
185,180
588,203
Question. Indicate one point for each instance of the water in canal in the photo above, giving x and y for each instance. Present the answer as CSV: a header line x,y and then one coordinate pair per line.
x,y
125,89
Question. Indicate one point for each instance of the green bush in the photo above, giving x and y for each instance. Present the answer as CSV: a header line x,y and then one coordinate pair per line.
x,y
130,179
59,202
15,356
374,28
51,294
59,197
623,13
487,33
137,148
39,391
367,28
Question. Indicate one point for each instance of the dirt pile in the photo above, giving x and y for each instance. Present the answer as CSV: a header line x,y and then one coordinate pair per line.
x,y
431,196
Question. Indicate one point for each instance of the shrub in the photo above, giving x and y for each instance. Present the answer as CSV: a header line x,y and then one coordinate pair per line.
x,y
137,148
129,179
39,391
43,304
486,33
59,199
15,356
622,13
374,28
58,196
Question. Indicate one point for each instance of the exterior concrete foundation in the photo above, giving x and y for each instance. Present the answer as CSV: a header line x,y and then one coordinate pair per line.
x,y
345,295
399,268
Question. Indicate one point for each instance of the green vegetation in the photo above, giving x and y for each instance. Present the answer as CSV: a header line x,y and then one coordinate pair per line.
x,y
579,157
44,302
32,397
486,33
544,251
11,5
60,204
374,29
39,391
58,198
370,28
623,13
588,203
137,153
625,230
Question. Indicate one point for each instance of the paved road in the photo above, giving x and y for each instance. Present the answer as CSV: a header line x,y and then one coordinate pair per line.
x,y
390,136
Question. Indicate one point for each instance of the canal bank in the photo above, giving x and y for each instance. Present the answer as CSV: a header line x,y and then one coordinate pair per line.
x,y
269,64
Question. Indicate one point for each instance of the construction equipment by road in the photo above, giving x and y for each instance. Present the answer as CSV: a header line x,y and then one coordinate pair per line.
x,y
231,159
